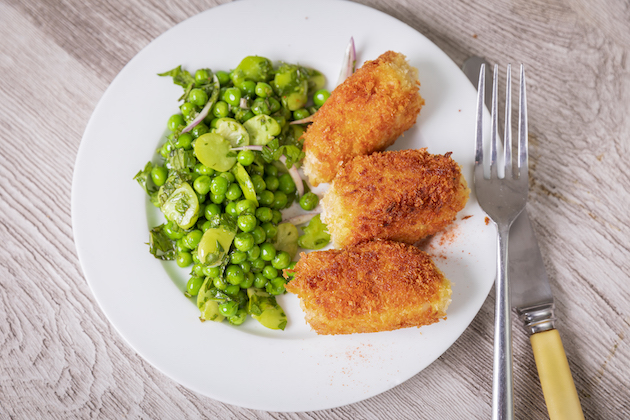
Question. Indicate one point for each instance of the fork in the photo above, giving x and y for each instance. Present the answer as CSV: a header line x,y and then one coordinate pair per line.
x,y
502,195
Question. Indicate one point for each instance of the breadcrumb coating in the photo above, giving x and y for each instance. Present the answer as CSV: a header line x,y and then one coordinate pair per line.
x,y
370,287
398,195
364,114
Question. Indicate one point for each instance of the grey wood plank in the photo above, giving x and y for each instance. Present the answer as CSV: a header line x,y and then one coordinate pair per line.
x,y
59,357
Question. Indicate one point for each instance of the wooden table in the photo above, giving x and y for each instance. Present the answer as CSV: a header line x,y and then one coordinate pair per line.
x,y
59,356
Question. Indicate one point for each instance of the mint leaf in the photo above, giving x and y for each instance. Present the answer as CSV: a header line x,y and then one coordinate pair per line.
x,y
160,245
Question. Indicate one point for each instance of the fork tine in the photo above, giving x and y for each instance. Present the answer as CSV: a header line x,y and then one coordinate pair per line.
x,y
494,124
479,127
507,138
522,128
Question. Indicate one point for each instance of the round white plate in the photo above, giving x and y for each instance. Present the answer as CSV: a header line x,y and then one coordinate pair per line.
x,y
250,366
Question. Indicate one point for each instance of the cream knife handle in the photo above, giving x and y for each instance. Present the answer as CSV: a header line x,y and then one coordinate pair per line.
x,y
558,388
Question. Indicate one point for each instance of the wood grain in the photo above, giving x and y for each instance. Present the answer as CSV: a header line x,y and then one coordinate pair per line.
x,y
59,356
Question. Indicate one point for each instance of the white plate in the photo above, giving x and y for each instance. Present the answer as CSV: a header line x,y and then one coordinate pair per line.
x,y
250,366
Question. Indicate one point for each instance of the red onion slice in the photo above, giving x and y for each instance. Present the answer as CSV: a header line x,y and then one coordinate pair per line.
x,y
295,175
306,120
206,109
349,62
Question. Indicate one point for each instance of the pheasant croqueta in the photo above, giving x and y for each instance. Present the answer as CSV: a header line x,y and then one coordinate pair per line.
x,y
370,287
397,195
364,114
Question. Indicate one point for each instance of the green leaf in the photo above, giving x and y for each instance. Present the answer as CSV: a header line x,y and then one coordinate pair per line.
x,y
181,160
315,236
144,179
180,77
160,245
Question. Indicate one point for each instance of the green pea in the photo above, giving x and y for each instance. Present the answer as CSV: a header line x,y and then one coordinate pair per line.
x,y
227,175
244,241
197,270
286,184
199,130
245,157
195,257
159,174
248,282
219,185
201,169
186,108
202,76
219,283
234,274
200,197
228,308
260,107
245,207
202,184
275,286
198,97
274,105
259,235
263,90
254,253
237,257
193,238
247,222
206,225
220,109
248,87
212,210
232,96
270,230
230,209
271,170
245,115
184,141
239,318
217,198
223,77
175,121
320,97
246,266
267,251
309,201
172,231
277,217
266,198
180,246
270,272
300,114
291,267
264,214
279,200
272,182
258,265
233,192
260,281
259,183
211,271
184,259
281,260
193,285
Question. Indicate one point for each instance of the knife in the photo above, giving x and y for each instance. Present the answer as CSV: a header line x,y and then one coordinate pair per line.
x,y
533,301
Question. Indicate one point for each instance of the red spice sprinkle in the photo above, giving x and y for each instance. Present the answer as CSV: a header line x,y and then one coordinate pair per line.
x,y
487,220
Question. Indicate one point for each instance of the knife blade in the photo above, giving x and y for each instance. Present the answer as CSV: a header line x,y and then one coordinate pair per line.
x,y
532,299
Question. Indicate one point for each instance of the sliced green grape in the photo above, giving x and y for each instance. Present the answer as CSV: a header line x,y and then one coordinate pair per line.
x,y
233,131
213,150
265,309
245,182
215,244
182,206
262,129
287,239
208,306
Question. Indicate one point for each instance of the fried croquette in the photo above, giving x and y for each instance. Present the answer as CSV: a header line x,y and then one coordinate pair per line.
x,y
364,114
370,287
397,195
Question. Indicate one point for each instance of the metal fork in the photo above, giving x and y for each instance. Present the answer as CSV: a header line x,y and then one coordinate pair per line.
x,y
502,196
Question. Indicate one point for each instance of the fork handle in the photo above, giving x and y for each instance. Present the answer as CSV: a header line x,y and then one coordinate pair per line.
x,y
502,386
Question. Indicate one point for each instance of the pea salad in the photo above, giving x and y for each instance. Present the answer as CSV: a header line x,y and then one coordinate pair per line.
x,y
222,178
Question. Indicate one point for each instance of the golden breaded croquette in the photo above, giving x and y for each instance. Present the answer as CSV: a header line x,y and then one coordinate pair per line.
x,y
370,287
398,195
364,114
